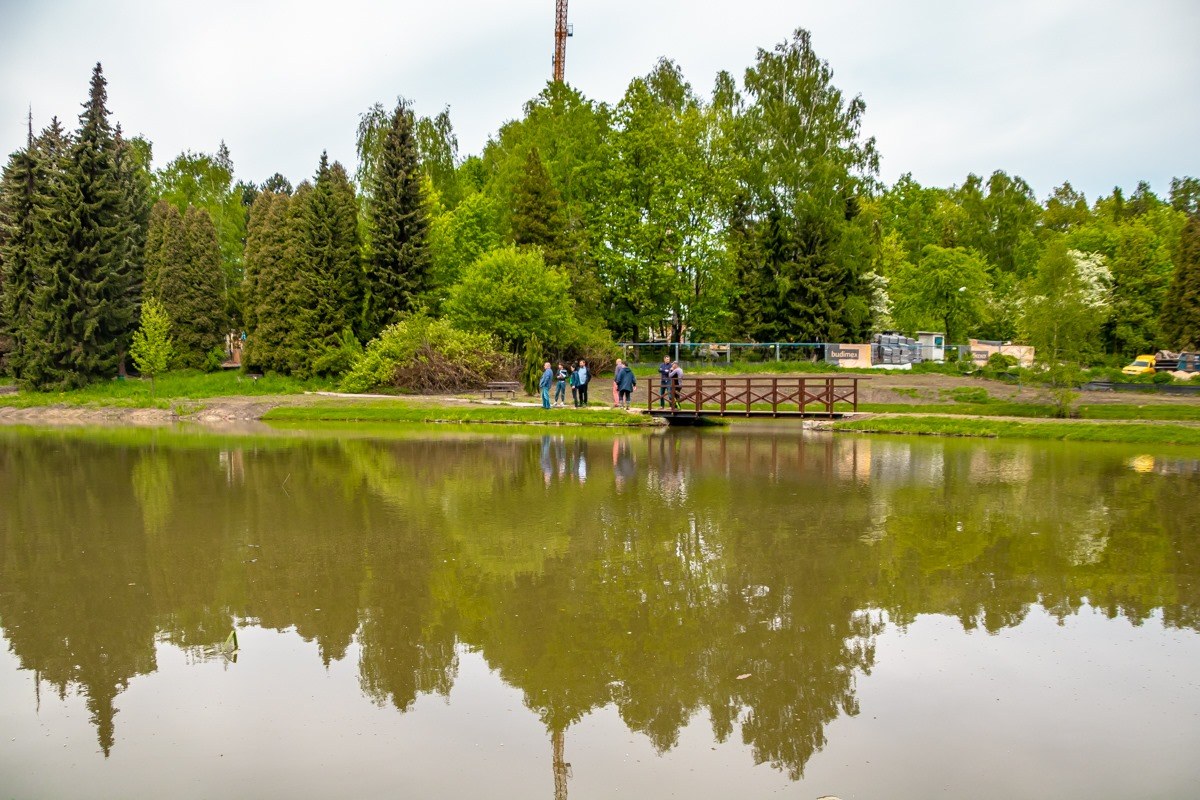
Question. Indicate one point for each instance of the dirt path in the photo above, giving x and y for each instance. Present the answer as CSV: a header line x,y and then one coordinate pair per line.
x,y
210,412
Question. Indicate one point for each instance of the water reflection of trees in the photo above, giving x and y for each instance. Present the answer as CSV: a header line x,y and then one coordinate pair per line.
x,y
647,573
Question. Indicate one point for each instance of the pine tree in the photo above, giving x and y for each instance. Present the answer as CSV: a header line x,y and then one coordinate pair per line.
x,y
331,277
397,273
1181,312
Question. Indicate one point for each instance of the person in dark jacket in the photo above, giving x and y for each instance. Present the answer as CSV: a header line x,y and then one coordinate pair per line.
x,y
560,385
626,381
584,378
664,378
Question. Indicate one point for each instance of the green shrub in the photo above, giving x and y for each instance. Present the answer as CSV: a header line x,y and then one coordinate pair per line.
x,y
1161,377
596,347
1001,362
429,356
1108,374
1000,366
970,394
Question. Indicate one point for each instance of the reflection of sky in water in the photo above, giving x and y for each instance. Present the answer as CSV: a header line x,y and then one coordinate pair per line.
x,y
937,707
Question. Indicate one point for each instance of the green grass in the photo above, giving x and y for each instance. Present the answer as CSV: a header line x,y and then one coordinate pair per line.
x,y
1114,411
168,388
411,412
1075,431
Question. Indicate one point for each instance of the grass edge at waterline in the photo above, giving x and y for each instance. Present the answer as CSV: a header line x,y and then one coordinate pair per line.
x,y
1155,433
423,413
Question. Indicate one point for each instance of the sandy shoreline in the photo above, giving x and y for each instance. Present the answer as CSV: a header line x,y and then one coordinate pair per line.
x,y
211,412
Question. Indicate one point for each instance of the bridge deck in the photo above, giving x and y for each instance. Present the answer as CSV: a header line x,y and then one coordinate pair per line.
x,y
754,396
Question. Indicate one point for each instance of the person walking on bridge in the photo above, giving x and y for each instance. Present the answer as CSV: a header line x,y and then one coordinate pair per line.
x,y
664,379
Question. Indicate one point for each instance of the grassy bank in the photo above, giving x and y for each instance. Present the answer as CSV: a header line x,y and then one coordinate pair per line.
x,y
168,388
1113,411
412,412
1073,431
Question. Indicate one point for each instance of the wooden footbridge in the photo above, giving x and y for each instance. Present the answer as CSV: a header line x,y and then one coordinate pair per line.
x,y
754,396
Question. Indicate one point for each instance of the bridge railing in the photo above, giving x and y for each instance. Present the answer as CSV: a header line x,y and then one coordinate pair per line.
x,y
754,395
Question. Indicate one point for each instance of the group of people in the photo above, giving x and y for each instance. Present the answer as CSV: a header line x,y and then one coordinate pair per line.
x,y
579,375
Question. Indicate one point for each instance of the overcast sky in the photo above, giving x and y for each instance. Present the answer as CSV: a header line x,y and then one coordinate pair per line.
x,y
1098,92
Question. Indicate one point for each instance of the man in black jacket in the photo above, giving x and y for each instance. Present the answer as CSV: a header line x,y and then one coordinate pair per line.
x,y
664,374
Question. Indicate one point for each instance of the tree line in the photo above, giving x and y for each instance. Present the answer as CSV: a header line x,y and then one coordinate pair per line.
x,y
755,213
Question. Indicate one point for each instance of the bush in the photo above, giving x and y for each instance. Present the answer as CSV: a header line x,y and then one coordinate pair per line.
x,y
1000,365
1162,377
429,356
970,394
596,347
1107,374
513,294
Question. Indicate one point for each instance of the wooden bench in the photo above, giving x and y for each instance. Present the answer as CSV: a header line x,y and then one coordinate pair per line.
x,y
501,386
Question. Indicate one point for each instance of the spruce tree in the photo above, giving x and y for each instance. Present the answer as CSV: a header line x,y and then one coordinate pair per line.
x,y
1181,312
537,216
397,272
133,175
19,188
330,276
41,362
84,309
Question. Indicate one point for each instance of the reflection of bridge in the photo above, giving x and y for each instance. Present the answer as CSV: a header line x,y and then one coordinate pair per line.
x,y
755,396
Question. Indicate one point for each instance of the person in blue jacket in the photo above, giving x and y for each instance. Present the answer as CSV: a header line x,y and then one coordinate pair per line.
x,y
626,381
544,384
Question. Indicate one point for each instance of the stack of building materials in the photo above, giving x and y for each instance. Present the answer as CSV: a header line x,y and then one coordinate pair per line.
x,y
894,350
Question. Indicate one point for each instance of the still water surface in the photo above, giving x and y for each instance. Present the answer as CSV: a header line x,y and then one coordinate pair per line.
x,y
738,614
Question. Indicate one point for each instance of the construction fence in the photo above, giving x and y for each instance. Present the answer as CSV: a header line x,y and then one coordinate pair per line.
x,y
884,350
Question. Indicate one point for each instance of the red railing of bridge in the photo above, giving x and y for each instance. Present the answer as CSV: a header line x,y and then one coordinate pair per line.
x,y
754,396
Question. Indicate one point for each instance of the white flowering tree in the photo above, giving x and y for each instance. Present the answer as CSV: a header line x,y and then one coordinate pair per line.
x,y
1067,301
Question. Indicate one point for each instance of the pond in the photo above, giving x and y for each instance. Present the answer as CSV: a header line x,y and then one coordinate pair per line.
x,y
741,613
